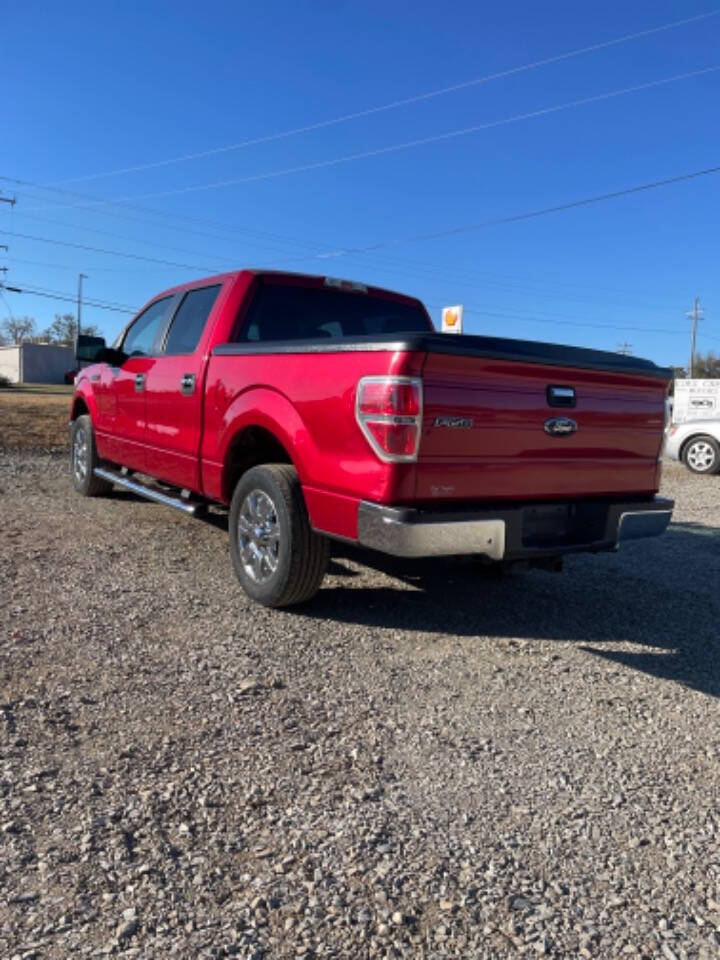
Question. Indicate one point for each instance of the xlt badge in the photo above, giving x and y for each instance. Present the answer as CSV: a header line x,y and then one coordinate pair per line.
x,y
457,423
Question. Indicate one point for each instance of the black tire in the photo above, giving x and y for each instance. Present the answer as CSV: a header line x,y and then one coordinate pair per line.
x,y
84,459
702,455
278,559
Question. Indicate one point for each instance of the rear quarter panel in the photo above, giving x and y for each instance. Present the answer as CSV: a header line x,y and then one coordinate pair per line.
x,y
307,401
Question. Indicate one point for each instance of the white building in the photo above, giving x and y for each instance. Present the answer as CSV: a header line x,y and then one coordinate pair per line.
x,y
36,363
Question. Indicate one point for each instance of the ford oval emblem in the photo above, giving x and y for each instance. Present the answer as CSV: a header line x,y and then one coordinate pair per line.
x,y
560,426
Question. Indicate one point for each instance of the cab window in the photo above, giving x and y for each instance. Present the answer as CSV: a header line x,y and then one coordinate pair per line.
x,y
190,320
291,312
141,336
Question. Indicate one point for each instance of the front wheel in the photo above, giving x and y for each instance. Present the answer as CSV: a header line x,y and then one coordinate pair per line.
x,y
278,558
84,459
702,455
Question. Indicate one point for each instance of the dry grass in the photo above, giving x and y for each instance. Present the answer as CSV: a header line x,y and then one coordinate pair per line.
x,y
34,422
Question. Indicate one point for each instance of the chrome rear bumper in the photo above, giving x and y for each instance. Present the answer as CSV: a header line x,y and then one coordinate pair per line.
x,y
636,524
408,533
511,532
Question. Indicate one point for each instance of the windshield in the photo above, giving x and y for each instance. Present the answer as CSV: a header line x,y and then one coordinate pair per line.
x,y
291,312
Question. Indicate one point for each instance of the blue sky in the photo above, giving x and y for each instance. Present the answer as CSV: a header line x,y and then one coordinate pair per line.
x,y
92,88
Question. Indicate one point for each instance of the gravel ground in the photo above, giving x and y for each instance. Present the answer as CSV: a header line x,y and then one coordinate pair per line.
x,y
424,762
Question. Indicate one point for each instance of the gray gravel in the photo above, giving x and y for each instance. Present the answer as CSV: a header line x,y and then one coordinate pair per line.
x,y
424,762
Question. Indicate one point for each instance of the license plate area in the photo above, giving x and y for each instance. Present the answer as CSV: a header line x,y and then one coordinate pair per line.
x,y
562,524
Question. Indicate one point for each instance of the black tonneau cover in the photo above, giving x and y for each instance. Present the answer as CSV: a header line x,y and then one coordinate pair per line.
x,y
465,345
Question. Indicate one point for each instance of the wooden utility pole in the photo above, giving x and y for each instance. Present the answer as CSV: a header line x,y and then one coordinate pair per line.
x,y
696,314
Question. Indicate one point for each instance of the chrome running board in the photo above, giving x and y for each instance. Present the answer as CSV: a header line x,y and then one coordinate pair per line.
x,y
150,493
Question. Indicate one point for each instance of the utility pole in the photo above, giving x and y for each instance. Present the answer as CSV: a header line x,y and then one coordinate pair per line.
x,y
81,277
696,314
11,200
624,348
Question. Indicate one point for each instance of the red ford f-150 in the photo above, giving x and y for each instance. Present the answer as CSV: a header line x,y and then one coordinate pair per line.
x,y
318,408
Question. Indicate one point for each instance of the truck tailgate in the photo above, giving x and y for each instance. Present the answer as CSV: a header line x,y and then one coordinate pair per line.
x,y
484,433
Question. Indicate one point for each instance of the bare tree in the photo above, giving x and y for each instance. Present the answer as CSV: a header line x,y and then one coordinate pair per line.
x,y
63,328
18,329
707,366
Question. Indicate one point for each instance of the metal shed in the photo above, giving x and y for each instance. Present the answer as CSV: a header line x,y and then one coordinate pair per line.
x,y
36,363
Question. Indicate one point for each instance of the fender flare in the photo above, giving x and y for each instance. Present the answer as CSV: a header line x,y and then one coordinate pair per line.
x,y
84,393
272,411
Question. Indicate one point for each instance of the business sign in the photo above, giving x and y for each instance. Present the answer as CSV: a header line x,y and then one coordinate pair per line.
x,y
696,400
452,319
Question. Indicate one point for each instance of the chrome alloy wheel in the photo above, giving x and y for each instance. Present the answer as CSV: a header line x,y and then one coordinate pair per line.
x,y
258,536
81,455
701,456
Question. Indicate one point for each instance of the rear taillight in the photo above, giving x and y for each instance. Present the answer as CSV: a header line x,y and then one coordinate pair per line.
x,y
389,413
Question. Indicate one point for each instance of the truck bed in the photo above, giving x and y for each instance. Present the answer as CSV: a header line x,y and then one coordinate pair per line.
x,y
486,402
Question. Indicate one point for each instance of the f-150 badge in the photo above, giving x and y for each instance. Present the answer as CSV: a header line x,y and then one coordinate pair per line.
x,y
457,423
560,426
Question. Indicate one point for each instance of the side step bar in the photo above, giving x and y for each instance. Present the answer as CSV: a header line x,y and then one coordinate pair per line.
x,y
150,493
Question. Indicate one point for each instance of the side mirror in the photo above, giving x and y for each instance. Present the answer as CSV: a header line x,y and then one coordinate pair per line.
x,y
89,348
113,356
95,350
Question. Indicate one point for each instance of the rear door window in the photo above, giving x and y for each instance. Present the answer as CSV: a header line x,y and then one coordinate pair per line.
x,y
190,319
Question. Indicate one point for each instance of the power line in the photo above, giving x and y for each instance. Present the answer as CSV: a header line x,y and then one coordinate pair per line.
x,y
257,236
407,266
411,144
73,266
113,253
68,298
438,234
524,318
121,214
110,233
532,214
395,104
28,287
393,265
483,279
7,305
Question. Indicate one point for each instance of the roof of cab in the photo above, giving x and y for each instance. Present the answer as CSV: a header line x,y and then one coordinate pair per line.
x,y
260,272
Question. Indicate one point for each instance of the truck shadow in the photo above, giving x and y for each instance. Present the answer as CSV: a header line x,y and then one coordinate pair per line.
x,y
662,596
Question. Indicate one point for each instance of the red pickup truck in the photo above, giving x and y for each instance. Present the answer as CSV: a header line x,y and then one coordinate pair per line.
x,y
322,409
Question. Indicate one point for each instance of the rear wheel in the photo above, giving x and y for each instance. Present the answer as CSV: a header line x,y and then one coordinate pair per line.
x,y
84,459
278,559
702,455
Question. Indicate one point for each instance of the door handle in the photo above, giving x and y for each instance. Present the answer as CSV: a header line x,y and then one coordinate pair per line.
x,y
139,382
187,383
